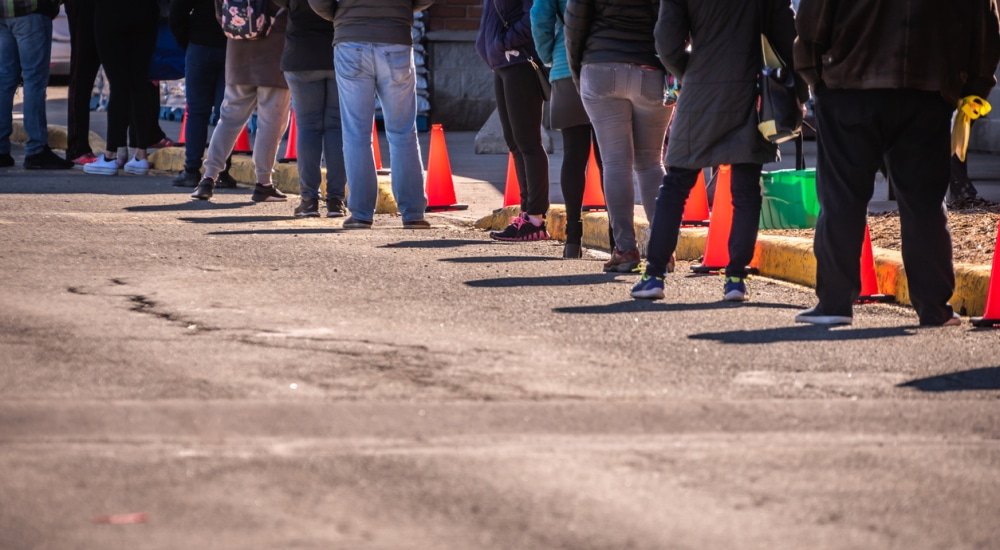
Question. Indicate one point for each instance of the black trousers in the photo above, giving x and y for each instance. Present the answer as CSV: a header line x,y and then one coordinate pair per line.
x,y
674,192
84,63
911,131
126,45
519,104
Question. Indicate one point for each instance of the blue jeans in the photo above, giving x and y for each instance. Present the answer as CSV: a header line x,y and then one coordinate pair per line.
x,y
364,70
25,48
205,79
317,118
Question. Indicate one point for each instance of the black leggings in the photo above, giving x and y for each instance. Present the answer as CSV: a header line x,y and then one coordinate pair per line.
x,y
126,50
519,104
83,66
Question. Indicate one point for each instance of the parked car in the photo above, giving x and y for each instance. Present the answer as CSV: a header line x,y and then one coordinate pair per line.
x,y
59,64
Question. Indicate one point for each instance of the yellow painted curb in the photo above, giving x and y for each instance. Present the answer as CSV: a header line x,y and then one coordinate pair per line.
x,y
57,137
786,258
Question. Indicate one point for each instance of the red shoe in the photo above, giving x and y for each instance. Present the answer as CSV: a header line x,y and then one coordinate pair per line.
x,y
622,262
162,144
84,160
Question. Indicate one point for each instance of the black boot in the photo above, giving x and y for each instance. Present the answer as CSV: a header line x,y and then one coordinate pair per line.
x,y
574,235
960,186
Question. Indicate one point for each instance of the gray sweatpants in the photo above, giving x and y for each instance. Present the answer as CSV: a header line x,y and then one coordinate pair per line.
x,y
238,104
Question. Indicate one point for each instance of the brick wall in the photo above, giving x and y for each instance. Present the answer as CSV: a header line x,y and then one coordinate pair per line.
x,y
454,15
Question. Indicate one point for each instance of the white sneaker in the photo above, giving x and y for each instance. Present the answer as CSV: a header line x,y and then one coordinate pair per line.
x,y
102,167
139,167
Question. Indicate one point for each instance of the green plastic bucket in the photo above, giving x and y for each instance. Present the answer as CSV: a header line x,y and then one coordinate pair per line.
x,y
788,199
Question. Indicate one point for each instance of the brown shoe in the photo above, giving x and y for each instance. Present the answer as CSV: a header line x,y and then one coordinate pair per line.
x,y
622,262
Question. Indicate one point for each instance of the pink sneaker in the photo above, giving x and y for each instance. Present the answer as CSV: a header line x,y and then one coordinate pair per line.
x,y
162,144
83,160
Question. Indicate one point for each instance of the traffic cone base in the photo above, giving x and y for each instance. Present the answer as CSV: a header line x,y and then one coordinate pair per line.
x,y
720,225
869,279
991,315
593,192
696,208
291,149
440,186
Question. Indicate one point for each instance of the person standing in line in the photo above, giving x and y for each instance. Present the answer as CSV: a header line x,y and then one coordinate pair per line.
x,y
196,29
715,121
25,52
612,57
887,76
253,80
505,43
308,66
125,31
373,56
84,62
566,114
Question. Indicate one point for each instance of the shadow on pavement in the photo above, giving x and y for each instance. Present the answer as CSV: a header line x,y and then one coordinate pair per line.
x,y
803,333
288,231
499,259
975,379
186,206
237,219
440,243
550,280
656,306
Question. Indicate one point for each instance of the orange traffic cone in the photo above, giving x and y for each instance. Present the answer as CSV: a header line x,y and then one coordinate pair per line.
x,y
720,225
243,143
512,191
696,207
376,152
593,192
184,120
291,149
869,279
440,184
991,317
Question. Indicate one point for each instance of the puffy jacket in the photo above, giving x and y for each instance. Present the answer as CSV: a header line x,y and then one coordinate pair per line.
x,y
504,37
194,22
950,47
610,31
308,39
715,120
547,31
377,21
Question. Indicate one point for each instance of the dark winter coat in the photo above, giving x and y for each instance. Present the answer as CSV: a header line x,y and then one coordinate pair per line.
x,y
949,47
376,21
715,120
194,22
503,44
308,39
610,31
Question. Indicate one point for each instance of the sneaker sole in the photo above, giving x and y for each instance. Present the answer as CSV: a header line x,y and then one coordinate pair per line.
x,y
357,226
531,238
270,199
824,319
648,294
101,171
336,215
622,268
307,214
135,172
735,296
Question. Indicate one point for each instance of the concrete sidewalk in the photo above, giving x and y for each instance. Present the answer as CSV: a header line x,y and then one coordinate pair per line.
x,y
479,182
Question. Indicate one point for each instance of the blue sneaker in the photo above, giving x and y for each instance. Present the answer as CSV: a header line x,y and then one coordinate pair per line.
x,y
735,290
648,287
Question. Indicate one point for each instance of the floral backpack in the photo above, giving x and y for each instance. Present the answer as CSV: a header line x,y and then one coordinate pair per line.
x,y
246,19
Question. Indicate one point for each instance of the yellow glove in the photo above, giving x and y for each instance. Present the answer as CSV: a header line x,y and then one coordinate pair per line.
x,y
969,108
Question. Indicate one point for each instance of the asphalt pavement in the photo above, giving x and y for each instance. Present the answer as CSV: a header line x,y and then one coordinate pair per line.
x,y
189,374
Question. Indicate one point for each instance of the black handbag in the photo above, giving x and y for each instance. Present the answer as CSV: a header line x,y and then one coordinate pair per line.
x,y
779,113
542,72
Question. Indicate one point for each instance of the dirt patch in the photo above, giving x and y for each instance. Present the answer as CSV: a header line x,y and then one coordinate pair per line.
x,y
973,226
